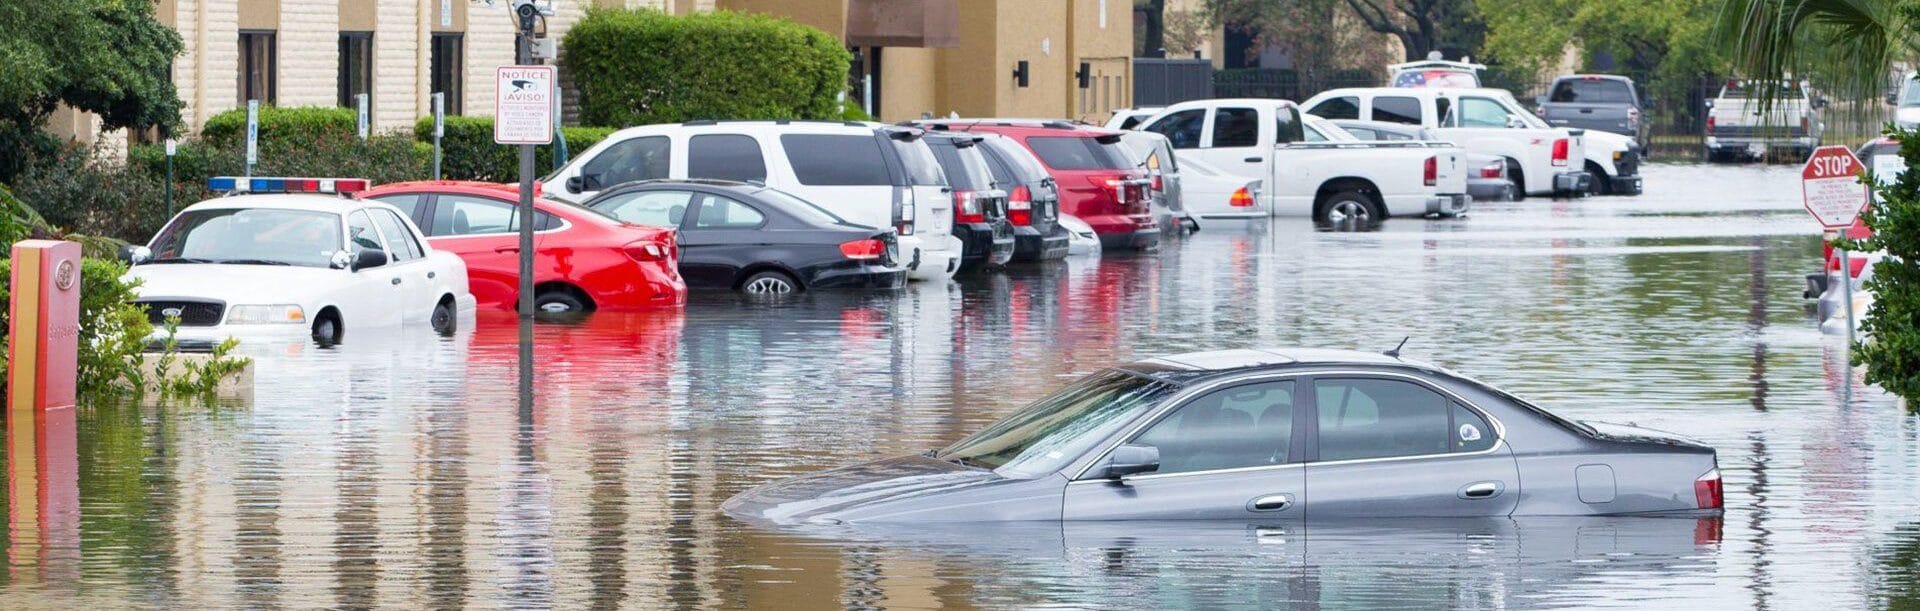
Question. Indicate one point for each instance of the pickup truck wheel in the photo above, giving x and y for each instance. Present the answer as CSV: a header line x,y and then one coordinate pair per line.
x,y
1598,185
1517,179
1349,207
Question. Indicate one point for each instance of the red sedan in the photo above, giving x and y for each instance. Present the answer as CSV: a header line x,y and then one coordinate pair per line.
x,y
586,260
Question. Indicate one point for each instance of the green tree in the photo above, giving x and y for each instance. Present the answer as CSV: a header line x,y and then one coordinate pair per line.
x,y
1423,25
1849,46
1321,36
108,57
1666,46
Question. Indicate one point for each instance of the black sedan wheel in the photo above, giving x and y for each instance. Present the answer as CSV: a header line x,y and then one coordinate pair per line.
x,y
769,283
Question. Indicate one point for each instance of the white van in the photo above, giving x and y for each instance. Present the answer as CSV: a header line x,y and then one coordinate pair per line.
x,y
869,173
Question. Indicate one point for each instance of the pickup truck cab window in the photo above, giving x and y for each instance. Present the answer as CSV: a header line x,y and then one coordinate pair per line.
x,y
1344,107
1288,129
1396,109
1236,128
1481,112
1181,128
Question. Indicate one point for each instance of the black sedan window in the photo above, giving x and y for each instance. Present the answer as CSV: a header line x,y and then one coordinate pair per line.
x,y
722,213
656,208
799,207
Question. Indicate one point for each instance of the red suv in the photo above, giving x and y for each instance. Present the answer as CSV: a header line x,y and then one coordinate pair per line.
x,y
1096,181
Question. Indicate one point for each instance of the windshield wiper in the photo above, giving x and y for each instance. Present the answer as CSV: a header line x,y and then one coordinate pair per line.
x,y
970,462
253,262
182,260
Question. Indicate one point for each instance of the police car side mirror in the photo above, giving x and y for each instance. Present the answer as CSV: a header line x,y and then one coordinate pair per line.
x,y
341,260
369,258
135,254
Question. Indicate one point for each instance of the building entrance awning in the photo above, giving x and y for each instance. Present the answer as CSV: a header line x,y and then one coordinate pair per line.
x,y
903,23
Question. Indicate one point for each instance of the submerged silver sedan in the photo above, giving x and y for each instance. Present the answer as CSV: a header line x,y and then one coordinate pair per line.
x,y
1265,434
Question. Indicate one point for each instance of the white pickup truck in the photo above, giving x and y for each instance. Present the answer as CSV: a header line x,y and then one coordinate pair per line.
x,y
1736,128
1315,170
1542,160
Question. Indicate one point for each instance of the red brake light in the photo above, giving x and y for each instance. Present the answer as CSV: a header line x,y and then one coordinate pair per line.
x,y
1020,206
1431,172
1708,492
1709,124
1492,170
1157,184
966,207
863,250
1241,198
1560,151
1805,125
647,252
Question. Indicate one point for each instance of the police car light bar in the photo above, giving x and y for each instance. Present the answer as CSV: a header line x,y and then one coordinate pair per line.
x,y
233,184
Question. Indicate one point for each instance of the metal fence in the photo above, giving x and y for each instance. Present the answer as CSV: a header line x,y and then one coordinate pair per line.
x,y
1159,82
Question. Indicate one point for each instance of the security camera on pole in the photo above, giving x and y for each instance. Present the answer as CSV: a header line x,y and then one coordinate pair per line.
x,y
523,115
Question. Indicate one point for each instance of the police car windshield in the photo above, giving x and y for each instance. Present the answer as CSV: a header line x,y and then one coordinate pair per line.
x,y
250,236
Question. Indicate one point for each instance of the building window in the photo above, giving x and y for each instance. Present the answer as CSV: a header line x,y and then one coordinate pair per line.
x,y
448,65
258,58
356,67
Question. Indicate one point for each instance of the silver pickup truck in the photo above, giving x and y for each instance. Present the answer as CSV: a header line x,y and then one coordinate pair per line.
x,y
1597,102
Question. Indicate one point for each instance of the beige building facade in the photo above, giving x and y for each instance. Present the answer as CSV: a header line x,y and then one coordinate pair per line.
x,y
960,59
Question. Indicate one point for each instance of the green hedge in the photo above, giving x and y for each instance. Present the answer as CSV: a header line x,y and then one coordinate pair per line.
x,y
638,67
468,152
278,123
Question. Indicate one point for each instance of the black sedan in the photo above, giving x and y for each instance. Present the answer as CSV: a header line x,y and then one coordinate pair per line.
x,y
756,239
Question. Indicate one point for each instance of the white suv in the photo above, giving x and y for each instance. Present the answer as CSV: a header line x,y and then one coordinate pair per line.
x,y
869,173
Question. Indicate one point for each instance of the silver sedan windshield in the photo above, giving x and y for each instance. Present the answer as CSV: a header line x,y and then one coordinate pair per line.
x,y
1052,432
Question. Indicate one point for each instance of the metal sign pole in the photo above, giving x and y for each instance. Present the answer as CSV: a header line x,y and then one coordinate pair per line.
x,y
523,55
439,129
171,146
253,135
1846,293
361,125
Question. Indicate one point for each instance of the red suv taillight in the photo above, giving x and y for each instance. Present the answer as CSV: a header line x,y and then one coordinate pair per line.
x,y
1560,148
863,250
1020,206
1431,172
966,207
903,222
1241,198
1492,170
1708,491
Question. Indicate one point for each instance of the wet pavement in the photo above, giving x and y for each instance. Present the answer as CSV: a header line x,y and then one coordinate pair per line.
x,y
397,471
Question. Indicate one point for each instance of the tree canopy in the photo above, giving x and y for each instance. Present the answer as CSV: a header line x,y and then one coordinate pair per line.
x,y
1668,46
108,57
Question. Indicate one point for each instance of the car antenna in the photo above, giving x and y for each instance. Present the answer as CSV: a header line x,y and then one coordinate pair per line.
x,y
1395,352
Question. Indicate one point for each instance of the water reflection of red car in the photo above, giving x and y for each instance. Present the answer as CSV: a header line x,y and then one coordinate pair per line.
x,y
587,260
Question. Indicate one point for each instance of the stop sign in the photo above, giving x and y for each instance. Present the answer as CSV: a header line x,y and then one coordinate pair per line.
x,y
1830,183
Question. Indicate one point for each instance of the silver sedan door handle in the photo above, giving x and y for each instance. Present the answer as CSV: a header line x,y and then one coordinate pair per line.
x,y
1271,502
1481,490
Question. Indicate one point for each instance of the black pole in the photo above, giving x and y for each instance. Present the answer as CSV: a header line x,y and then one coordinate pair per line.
x,y
523,55
169,151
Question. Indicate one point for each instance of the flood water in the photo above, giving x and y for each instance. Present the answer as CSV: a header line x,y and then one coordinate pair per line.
x,y
399,472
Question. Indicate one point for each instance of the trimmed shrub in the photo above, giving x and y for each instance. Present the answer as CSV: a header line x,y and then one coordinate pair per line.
x,y
381,158
639,67
468,152
113,329
281,124
77,192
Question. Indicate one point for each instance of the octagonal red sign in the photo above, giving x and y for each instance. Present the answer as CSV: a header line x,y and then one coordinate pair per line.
x,y
1830,184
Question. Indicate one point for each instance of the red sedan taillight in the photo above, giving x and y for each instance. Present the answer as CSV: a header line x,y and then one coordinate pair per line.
x,y
1708,492
863,250
1241,198
966,207
1560,148
1492,170
1431,171
1020,206
647,251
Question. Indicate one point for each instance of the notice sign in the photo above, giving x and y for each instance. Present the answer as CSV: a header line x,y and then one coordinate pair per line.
x,y
523,105
1830,182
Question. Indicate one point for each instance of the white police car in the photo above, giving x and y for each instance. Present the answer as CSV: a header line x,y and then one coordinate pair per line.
x,y
285,257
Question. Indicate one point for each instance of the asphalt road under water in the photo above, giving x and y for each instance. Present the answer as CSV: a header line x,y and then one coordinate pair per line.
x,y
397,471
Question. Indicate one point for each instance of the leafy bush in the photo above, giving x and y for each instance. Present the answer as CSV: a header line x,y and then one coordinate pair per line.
x,y
295,123
77,191
468,152
638,67
381,158
1890,347
112,329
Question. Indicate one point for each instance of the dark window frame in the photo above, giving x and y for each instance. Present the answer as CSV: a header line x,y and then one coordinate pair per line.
x,y
707,199
453,81
248,39
1242,117
352,43
1395,115
807,169
726,158
1449,399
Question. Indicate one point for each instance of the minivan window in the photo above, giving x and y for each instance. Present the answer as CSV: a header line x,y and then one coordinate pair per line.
x,y
632,159
1396,109
1077,153
1592,91
1236,128
1181,128
1025,166
725,157
836,160
963,166
1346,107
917,159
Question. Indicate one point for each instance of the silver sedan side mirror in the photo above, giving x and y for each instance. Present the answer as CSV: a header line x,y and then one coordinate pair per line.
x,y
1130,459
